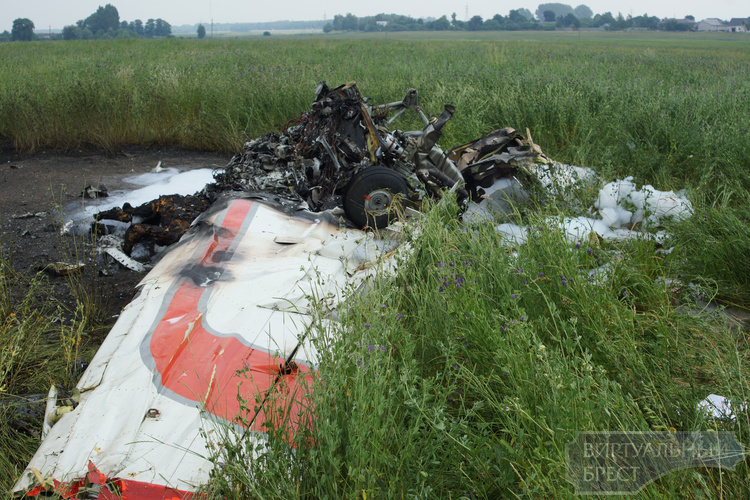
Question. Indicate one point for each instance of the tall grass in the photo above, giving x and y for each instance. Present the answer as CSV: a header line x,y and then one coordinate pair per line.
x,y
29,356
663,108
42,341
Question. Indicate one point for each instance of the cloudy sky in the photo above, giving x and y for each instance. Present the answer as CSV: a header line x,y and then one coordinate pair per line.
x,y
57,13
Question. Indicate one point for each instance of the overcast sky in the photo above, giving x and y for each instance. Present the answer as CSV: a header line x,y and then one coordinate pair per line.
x,y
58,13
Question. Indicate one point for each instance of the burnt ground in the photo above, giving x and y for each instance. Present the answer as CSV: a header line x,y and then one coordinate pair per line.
x,y
34,187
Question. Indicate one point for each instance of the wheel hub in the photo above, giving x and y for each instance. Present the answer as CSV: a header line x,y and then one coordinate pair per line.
x,y
378,201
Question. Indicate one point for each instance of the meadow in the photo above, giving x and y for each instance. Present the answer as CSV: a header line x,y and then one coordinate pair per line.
x,y
487,361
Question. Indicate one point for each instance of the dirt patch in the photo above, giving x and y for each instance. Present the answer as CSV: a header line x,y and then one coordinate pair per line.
x,y
33,188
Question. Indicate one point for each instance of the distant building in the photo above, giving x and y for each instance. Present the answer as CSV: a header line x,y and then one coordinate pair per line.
x,y
738,24
712,24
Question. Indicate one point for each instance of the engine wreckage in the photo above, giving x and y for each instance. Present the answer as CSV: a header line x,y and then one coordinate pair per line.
x,y
342,153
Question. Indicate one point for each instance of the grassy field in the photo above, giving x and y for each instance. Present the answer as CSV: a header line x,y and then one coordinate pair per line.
x,y
479,386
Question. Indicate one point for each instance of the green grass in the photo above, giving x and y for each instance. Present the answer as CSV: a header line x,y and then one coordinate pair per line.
x,y
31,355
41,341
478,387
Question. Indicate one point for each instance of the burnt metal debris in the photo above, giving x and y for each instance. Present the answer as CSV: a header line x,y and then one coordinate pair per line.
x,y
158,223
343,152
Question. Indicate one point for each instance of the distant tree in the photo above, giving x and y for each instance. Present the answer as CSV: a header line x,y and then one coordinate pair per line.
x,y
675,25
23,30
560,10
138,27
583,12
645,21
327,28
104,19
266,33
345,23
459,25
549,16
350,22
526,13
571,21
70,32
602,19
516,16
492,25
475,23
149,28
162,28
201,32
620,23
441,24
691,18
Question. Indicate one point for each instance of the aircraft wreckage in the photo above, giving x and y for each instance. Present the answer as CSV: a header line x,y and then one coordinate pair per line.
x,y
342,154
271,248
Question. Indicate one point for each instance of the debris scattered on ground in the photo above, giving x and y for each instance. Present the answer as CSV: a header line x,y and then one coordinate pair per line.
x,y
720,407
62,268
620,204
30,215
158,223
623,211
94,192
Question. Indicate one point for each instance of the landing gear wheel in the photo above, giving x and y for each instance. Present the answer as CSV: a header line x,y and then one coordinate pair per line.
x,y
373,197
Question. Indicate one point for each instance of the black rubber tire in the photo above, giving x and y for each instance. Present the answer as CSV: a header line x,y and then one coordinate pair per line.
x,y
373,196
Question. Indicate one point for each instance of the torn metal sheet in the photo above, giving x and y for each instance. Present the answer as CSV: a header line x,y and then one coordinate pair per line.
x,y
224,312
119,256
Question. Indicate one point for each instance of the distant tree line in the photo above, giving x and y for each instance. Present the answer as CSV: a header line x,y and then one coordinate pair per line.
x,y
105,23
548,16
102,24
